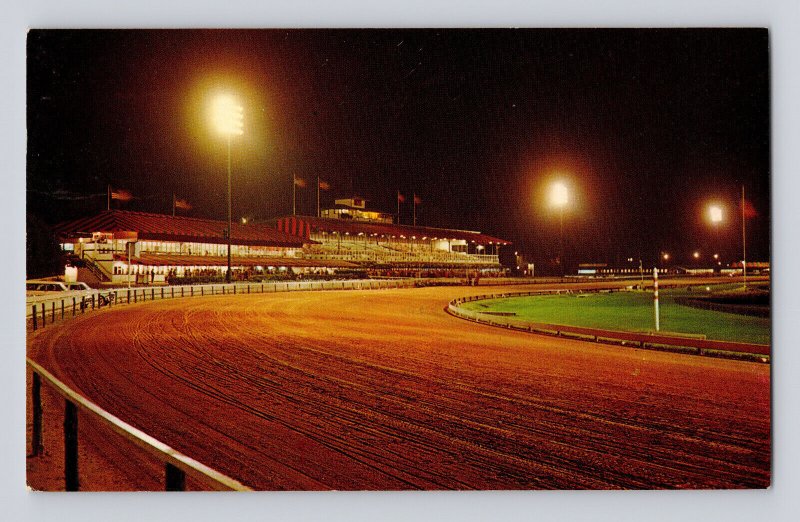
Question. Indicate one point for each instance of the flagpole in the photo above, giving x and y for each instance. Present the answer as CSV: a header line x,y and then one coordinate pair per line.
x,y
108,205
398,207
744,244
173,204
415,209
294,189
655,299
317,196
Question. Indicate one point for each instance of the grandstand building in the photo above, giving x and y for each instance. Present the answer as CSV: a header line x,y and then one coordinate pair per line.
x,y
350,232
117,246
120,247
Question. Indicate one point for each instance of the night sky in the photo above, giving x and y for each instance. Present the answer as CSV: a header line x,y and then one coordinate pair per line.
x,y
645,126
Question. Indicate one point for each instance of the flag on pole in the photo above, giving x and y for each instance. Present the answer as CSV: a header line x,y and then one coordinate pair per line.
x,y
748,210
400,199
182,204
417,200
321,185
300,182
121,194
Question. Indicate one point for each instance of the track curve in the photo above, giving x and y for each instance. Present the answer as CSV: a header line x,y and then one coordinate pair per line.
x,y
354,390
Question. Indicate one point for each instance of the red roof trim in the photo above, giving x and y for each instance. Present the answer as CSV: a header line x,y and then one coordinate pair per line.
x,y
162,227
392,230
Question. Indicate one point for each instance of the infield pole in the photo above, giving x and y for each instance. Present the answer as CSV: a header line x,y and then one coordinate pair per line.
x,y
655,298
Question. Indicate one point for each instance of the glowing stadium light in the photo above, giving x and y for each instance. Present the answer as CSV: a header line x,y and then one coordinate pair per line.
x,y
559,194
227,115
715,214
665,256
696,255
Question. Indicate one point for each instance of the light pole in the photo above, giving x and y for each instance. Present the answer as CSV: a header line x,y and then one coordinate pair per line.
x,y
744,242
228,118
715,215
559,197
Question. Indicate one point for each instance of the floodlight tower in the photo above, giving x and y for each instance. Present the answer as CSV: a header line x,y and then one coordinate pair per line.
x,y
559,197
228,119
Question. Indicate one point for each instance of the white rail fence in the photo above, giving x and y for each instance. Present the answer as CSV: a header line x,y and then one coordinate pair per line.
x,y
176,465
44,310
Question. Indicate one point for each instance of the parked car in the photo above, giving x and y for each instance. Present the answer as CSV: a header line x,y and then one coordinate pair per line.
x,y
44,287
53,288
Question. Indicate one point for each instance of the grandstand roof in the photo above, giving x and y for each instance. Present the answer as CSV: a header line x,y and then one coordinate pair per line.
x,y
354,227
162,227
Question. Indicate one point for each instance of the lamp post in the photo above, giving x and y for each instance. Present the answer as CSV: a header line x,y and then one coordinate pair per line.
x,y
744,242
228,118
559,197
716,215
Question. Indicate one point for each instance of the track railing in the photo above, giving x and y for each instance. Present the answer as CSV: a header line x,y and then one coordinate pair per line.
x,y
40,313
652,341
176,465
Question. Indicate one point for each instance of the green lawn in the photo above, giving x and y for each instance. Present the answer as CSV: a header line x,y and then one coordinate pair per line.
x,y
632,311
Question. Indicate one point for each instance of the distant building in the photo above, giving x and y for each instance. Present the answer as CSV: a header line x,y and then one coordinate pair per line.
x,y
355,209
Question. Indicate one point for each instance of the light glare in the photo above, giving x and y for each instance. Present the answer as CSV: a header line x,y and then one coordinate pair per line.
x,y
715,213
227,116
559,195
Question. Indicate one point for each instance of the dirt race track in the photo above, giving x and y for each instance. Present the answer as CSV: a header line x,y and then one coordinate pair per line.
x,y
382,389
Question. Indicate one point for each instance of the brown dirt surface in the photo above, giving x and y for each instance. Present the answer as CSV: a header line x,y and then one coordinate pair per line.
x,y
383,390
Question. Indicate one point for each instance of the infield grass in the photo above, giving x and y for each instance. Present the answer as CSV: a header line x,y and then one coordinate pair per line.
x,y
632,311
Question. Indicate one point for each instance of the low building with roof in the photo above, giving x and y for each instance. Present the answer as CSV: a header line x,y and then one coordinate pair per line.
x,y
118,245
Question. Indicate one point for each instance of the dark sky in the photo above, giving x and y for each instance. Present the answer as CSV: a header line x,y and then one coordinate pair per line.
x,y
645,126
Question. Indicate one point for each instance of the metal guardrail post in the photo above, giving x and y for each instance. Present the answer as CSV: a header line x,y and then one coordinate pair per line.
x,y
74,304
182,289
53,316
152,294
202,291
71,446
34,317
135,296
93,296
175,478
162,292
223,289
73,401
62,309
37,448
234,289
